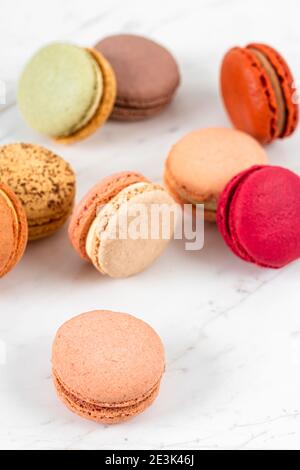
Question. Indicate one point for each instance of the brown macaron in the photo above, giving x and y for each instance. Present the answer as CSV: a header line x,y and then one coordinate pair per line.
x,y
147,75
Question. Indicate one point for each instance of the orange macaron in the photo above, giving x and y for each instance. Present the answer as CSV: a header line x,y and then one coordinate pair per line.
x,y
107,366
259,92
13,229
200,165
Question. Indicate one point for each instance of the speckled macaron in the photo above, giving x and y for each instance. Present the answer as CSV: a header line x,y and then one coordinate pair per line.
x,y
200,165
100,233
107,366
66,92
13,230
147,75
44,183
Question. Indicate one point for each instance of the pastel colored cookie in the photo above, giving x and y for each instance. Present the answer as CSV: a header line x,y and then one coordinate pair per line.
x,y
66,92
99,232
200,165
13,230
258,91
147,75
107,366
44,183
258,216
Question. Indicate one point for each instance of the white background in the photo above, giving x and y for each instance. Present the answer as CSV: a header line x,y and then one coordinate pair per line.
x,y
231,330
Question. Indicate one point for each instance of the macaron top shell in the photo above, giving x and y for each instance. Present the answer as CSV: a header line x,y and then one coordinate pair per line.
x,y
60,89
259,214
86,211
13,230
147,74
201,164
108,358
43,181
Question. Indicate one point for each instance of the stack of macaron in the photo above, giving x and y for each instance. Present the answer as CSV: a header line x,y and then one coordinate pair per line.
x,y
108,366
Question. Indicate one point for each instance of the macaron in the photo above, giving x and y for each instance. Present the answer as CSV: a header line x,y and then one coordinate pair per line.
x,y
259,216
259,92
107,366
147,75
44,183
200,165
66,92
13,230
100,233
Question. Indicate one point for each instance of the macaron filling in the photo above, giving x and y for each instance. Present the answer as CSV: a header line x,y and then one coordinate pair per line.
x,y
277,87
209,205
10,205
100,224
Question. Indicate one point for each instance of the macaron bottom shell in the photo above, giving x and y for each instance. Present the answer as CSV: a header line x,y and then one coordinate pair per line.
x,y
102,413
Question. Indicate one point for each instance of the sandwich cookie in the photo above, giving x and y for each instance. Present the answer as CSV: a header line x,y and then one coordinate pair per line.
x,y
66,92
201,164
107,366
259,216
13,230
147,75
259,92
44,183
115,228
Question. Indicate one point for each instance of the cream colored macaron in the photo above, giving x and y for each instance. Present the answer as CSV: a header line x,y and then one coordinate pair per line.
x,y
123,224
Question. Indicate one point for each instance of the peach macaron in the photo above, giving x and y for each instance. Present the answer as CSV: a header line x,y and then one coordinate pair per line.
x,y
13,229
200,165
107,366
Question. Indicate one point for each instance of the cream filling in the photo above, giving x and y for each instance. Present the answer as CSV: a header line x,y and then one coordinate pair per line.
x,y
100,223
272,74
96,99
11,206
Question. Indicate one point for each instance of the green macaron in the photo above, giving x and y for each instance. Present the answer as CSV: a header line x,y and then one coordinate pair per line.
x,y
60,90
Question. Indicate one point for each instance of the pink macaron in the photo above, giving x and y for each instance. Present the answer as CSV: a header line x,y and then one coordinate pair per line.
x,y
259,216
107,366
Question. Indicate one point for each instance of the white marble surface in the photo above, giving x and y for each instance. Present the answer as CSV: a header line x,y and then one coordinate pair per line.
x,y
231,330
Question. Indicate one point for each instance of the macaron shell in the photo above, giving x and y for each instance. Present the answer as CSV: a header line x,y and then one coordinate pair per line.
x,y
103,415
287,83
209,215
13,230
200,165
248,95
106,104
120,113
223,212
261,222
109,359
44,183
147,74
99,195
